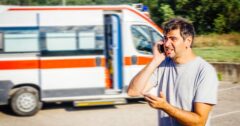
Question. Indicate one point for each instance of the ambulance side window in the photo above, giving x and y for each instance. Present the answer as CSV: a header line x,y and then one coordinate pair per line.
x,y
155,35
20,41
60,41
74,40
142,38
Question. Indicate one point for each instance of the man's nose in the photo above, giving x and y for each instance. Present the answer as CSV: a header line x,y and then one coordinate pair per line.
x,y
167,42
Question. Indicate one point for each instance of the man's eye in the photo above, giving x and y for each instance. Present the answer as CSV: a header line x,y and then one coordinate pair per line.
x,y
174,38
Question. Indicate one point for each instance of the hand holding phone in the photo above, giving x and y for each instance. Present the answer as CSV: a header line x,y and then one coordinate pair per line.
x,y
161,48
158,52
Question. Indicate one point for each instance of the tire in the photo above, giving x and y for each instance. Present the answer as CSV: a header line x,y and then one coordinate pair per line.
x,y
25,101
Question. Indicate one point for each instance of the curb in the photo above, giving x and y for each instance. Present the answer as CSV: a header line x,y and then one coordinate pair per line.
x,y
227,71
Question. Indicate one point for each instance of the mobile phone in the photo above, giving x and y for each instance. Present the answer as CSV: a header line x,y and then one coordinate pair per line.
x,y
161,48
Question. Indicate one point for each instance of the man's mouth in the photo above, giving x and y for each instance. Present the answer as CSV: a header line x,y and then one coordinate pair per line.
x,y
168,51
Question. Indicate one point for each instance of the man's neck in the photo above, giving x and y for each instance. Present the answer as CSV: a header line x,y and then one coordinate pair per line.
x,y
185,57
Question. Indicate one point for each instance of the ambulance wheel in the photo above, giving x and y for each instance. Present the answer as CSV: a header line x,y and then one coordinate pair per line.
x,y
25,101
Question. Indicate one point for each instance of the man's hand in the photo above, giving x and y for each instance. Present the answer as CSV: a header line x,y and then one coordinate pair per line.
x,y
156,102
197,118
157,56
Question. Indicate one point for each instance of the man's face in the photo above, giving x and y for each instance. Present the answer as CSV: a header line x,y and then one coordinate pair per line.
x,y
174,44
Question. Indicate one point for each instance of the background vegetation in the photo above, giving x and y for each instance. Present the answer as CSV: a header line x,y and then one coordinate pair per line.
x,y
219,16
218,47
217,22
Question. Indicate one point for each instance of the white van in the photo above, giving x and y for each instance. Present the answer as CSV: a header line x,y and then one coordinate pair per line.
x,y
71,53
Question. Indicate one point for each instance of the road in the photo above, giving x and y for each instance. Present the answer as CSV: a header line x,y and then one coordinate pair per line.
x,y
136,113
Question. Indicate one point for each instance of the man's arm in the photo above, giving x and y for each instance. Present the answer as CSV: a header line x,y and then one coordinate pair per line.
x,y
196,118
140,83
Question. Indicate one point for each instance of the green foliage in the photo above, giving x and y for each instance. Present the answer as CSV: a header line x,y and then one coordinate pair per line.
x,y
67,2
220,24
166,12
79,2
19,2
221,16
219,75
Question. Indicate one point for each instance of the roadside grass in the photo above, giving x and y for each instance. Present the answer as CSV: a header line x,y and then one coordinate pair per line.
x,y
218,48
213,40
220,53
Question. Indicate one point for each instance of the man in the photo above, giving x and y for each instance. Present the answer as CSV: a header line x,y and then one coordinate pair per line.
x,y
181,85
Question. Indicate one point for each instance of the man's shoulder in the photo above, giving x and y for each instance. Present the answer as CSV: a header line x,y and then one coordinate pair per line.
x,y
205,68
204,64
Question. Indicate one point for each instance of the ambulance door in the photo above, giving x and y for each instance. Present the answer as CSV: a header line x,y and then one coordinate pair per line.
x,y
114,50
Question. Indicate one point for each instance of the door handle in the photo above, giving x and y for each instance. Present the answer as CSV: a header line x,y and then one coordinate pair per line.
x,y
98,61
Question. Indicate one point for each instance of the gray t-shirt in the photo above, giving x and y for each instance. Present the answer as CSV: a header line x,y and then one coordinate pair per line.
x,y
184,84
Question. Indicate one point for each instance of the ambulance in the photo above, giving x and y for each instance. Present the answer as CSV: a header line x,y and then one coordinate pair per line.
x,y
82,54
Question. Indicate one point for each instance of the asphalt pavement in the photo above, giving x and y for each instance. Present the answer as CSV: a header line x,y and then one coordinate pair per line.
x,y
136,113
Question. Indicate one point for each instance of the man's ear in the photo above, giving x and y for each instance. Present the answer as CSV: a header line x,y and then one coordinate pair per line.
x,y
188,41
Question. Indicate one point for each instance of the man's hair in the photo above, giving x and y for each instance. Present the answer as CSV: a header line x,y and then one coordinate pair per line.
x,y
186,28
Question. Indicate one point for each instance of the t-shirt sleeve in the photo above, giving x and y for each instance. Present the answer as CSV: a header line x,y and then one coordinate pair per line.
x,y
153,78
207,86
158,71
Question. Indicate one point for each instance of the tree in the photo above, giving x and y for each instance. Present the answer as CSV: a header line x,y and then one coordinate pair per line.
x,y
166,11
220,16
208,15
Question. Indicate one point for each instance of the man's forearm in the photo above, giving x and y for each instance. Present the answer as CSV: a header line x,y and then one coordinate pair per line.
x,y
186,118
140,81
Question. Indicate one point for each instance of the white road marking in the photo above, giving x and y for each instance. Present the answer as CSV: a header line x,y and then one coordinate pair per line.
x,y
224,114
227,113
228,88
